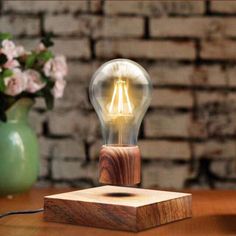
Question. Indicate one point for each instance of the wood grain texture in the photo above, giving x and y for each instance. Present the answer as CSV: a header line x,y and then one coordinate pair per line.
x,y
119,208
120,165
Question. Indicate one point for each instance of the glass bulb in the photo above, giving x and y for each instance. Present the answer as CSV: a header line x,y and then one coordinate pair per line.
x,y
120,92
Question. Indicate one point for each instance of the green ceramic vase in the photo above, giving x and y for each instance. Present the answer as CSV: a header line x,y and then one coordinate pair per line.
x,y
19,151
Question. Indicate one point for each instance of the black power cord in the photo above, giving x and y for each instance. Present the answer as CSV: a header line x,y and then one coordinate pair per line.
x,y
21,212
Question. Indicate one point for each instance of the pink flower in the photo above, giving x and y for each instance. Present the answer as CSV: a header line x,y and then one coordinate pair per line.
x,y
20,51
10,49
56,68
58,89
10,64
15,84
34,82
41,47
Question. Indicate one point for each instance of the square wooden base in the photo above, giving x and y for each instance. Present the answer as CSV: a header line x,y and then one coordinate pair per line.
x,y
120,208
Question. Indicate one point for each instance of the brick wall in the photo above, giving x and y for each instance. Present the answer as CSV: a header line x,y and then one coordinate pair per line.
x,y
188,136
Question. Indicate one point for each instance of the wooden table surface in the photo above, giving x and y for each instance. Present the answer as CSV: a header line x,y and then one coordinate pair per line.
x,y
214,213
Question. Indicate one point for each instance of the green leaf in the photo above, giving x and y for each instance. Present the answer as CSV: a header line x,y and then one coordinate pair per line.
x,y
3,107
30,60
3,116
50,83
45,55
4,36
49,99
7,73
3,59
2,84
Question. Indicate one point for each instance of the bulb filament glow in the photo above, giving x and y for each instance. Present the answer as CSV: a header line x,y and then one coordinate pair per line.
x,y
120,103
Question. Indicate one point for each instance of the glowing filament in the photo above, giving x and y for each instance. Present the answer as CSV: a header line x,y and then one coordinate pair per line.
x,y
120,102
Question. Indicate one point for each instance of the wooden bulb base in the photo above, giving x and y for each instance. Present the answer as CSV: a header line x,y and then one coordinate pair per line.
x,y
120,165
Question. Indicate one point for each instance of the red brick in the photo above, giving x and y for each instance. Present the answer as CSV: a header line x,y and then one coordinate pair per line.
x,y
164,174
204,27
116,27
205,97
64,169
62,24
178,75
225,6
172,98
145,49
170,74
60,148
20,25
154,149
209,76
159,8
172,124
167,125
49,6
231,75
72,48
95,6
218,49
215,149
75,96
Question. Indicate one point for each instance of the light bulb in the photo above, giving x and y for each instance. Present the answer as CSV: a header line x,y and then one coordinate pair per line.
x,y
120,92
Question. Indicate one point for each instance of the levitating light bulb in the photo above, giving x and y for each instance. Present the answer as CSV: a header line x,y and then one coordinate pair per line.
x,y
120,92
